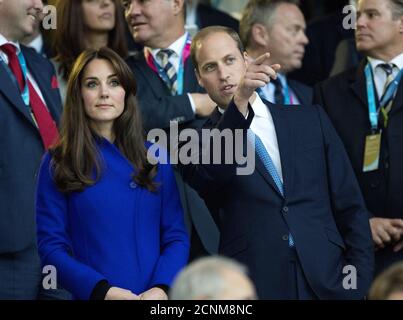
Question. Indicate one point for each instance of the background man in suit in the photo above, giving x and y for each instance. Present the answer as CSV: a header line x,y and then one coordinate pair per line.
x,y
168,91
367,112
278,27
200,15
299,218
29,104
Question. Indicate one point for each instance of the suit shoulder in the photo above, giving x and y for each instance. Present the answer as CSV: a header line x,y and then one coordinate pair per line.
x,y
344,77
33,56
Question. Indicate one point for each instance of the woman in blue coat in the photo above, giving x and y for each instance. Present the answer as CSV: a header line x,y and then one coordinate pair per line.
x,y
108,220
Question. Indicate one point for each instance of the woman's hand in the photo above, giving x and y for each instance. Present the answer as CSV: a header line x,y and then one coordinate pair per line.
x,y
154,294
116,293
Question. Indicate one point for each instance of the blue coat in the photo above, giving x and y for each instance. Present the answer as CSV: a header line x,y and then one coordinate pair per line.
x,y
113,230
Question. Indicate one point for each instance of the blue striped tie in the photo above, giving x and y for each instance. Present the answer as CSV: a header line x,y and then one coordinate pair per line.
x,y
269,165
169,70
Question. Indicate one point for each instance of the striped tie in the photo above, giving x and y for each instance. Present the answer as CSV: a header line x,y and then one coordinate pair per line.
x,y
269,165
386,102
169,70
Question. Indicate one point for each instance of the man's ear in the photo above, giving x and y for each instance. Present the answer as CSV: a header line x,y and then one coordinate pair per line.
x,y
401,24
247,58
199,80
259,34
178,6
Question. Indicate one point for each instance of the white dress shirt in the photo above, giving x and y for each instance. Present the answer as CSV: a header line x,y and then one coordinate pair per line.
x,y
175,58
379,73
4,57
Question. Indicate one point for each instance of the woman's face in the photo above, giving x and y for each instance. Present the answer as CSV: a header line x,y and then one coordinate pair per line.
x,y
102,93
99,15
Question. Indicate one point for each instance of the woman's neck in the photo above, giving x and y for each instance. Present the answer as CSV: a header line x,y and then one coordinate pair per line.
x,y
96,40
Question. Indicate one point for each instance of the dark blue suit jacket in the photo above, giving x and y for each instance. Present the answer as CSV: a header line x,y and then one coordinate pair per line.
x,y
158,107
302,91
21,150
344,98
323,207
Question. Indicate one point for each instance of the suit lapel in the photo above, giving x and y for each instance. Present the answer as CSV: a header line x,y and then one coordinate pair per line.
x,y
358,84
285,139
12,93
43,82
398,100
155,82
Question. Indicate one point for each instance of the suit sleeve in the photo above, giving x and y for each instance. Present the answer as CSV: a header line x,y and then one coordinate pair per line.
x,y
174,239
204,177
54,242
350,213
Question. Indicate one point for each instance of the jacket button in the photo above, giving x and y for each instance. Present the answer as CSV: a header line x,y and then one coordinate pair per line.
x,y
285,237
285,210
133,185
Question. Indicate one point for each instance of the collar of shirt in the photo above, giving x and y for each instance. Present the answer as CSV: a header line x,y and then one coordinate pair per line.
x,y
3,40
37,44
380,75
177,47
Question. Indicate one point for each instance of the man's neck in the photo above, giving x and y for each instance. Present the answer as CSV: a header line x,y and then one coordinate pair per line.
x,y
387,54
165,41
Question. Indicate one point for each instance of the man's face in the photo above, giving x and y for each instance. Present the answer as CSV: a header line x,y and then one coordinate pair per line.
x,y
377,32
221,66
286,37
18,17
149,20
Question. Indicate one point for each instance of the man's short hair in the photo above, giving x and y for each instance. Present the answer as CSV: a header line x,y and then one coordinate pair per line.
x,y
259,11
204,278
388,282
203,33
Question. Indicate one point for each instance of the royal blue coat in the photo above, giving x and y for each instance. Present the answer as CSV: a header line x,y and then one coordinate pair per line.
x,y
114,230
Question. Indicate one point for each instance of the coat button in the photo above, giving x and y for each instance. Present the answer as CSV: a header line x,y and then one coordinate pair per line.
x,y
133,185
285,237
285,210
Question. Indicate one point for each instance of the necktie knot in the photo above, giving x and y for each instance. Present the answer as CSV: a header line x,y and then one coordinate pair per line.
x,y
387,68
9,49
164,55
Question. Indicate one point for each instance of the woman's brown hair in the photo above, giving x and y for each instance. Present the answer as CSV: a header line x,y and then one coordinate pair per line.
x,y
68,41
76,161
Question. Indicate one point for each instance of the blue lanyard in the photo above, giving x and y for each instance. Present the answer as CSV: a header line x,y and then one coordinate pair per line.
x,y
25,92
180,72
286,94
372,109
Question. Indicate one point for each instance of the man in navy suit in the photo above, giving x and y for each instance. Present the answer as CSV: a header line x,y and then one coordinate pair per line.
x,y
362,105
278,27
30,104
168,91
298,222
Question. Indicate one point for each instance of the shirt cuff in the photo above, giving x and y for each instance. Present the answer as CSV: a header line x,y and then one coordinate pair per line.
x,y
192,103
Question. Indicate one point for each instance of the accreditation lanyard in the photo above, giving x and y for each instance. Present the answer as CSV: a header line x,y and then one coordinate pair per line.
x,y
185,53
288,99
23,64
372,109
